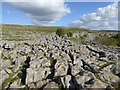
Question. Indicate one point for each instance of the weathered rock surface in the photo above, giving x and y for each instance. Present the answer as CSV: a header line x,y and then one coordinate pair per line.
x,y
52,62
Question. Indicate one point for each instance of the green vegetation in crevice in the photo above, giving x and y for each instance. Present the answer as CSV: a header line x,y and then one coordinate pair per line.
x,y
30,53
98,77
116,85
61,56
51,60
54,79
7,58
60,86
25,54
105,65
12,77
25,88
9,80
9,50
58,81
10,67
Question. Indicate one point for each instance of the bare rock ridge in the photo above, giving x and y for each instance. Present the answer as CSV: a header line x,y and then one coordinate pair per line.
x,y
53,62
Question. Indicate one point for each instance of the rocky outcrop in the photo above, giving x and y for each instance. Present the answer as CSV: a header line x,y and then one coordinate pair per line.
x,y
52,62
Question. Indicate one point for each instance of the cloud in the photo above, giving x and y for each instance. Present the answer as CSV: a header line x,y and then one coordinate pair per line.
x,y
42,11
103,18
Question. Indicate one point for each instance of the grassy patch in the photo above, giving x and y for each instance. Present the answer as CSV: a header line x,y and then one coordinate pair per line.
x,y
98,77
93,31
108,41
23,33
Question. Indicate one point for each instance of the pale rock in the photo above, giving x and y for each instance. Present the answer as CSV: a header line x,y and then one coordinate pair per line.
x,y
109,77
8,71
98,84
3,76
84,78
61,67
5,63
115,69
76,68
30,76
112,57
67,81
42,73
21,59
34,75
39,84
16,66
51,85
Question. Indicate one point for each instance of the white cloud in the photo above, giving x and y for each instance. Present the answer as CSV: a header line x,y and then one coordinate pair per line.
x,y
103,18
42,11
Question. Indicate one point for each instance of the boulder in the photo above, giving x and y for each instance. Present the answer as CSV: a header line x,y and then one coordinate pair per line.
x,y
51,85
112,57
30,76
67,82
3,76
42,83
16,66
34,75
61,67
8,46
76,68
87,78
98,84
5,64
109,77
115,69
21,59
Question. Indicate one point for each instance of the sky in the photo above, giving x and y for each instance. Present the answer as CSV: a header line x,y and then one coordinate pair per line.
x,y
91,15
